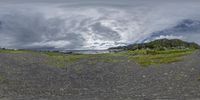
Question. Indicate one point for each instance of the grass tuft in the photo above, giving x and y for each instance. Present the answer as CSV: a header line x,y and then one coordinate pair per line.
x,y
153,57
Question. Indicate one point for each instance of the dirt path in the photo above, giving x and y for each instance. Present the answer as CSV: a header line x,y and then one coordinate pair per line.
x,y
26,77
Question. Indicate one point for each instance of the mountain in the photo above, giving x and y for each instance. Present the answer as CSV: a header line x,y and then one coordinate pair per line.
x,y
161,44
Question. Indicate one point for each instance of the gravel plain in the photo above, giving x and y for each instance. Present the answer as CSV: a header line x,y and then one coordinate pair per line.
x,y
26,77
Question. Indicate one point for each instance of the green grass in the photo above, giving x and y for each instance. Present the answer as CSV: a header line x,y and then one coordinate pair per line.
x,y
143,57
152,57
63,60
10,51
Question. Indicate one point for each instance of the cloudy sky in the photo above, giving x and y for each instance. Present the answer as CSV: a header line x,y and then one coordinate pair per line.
x,y
95,24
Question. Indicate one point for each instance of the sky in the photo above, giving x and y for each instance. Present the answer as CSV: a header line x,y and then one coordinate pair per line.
x,y
95,24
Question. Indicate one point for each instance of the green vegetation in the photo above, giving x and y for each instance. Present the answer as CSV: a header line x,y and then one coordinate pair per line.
x,y
144,57
154,57
153,53
161,44
62,60
160,51
171,44
13,51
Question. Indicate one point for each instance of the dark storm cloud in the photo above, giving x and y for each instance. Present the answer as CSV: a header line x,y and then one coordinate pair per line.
x,y
25,29
187,29
105,32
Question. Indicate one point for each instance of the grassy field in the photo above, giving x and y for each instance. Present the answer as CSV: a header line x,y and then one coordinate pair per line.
x,y
10,51
152,57
143,57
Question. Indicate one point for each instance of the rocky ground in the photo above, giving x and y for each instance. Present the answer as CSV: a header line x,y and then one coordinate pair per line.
x,y
26,77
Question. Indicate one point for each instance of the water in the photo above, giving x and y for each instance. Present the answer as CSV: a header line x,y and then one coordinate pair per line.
x,y
86,51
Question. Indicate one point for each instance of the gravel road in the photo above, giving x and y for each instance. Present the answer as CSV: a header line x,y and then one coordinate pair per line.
x,y
27,77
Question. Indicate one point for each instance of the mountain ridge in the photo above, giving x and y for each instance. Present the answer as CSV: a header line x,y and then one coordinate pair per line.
x,y
161,44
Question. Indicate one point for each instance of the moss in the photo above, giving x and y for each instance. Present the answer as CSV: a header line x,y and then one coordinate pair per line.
x,y
2,78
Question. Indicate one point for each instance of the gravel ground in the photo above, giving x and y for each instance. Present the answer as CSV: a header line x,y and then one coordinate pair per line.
x,y
27,77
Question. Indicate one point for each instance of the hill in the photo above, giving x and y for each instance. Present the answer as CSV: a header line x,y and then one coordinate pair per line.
x,y
161,44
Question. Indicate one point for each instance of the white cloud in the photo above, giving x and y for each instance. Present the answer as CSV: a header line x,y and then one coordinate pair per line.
x,y
169,37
